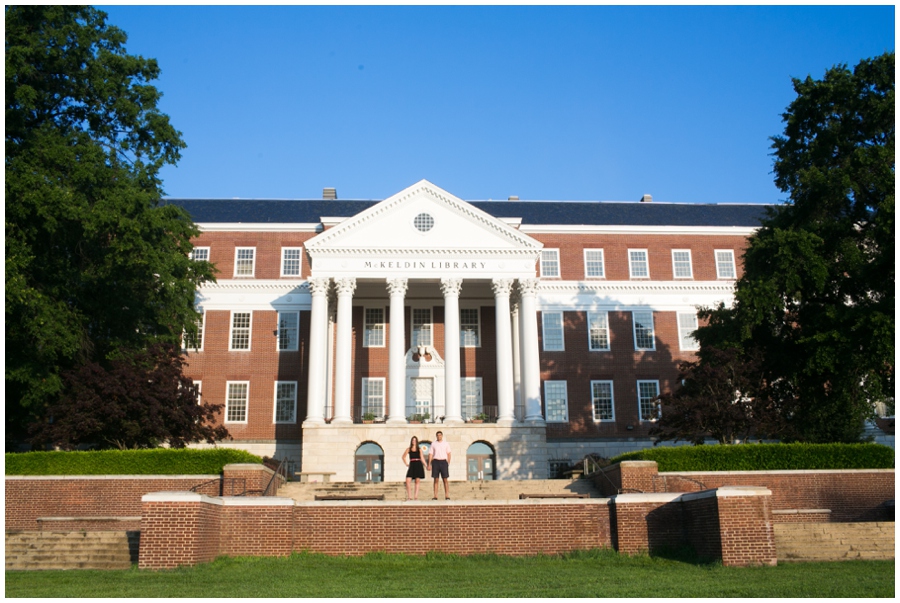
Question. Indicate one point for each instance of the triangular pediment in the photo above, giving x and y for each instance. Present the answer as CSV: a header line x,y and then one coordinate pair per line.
x,y
424,223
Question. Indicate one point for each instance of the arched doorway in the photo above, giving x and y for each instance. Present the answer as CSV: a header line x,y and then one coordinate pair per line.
x,y
480,462
369,463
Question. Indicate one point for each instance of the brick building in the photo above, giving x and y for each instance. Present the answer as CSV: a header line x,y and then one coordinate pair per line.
x,y
530,333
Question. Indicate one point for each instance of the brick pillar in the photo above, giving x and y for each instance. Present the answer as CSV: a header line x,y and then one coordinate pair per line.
x,y
178,528
638,476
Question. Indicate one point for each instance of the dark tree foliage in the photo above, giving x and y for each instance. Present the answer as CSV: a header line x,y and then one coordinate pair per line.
x,y
96,264
816,300
139,401
723,397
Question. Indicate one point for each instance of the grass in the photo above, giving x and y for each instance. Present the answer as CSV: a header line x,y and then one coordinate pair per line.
x,y
601,573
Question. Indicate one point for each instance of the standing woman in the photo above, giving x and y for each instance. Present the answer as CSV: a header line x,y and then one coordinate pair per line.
x,y
412,457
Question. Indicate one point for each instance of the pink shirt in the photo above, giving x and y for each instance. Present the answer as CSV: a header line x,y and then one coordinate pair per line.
x,y
440,450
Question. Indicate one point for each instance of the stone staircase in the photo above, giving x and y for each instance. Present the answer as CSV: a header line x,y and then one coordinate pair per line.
x,y
71,550
834,541
473,490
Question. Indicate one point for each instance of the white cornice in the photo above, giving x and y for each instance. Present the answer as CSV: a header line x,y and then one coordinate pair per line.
x,y
258,227
354,252
742,231
664,287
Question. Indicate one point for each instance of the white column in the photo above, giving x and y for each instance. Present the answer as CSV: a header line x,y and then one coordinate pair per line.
x,y
343,365
397,353
516,356
531,363
318,331
452,406
505,398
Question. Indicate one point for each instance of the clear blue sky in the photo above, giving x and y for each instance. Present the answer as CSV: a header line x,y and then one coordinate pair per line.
x,y
574,103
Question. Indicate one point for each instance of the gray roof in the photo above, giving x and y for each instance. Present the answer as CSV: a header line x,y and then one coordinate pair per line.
x,y
569,213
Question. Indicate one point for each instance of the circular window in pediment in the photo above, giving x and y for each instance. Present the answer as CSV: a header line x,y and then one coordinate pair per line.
x,y
423,222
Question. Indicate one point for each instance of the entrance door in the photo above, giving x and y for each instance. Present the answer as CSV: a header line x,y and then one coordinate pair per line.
x,y
369,462
423,397
479,462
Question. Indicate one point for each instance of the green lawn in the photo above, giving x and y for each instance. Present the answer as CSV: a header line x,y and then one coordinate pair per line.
x,y
587,574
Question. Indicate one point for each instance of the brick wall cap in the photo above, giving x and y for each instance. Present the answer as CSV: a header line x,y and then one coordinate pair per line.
x,y
775,472
650,497
195,476
727,491
180,497
246,467
456,503
637,464
256,501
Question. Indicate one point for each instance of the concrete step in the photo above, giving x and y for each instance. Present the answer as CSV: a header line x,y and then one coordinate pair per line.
x,y
71,550
834,541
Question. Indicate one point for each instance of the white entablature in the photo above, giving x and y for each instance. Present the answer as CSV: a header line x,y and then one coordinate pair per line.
x,y
423,232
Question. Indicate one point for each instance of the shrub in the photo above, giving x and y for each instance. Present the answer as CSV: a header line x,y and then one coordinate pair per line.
x,y
762,457
158,461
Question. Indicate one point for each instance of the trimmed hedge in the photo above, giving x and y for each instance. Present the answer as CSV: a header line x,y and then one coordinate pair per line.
x,y
157,461
765,457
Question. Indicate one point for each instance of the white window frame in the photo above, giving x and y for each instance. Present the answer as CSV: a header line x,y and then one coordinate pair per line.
x,y
562,331
294,345
612,401
685,330
199,386
370,329
200,335
547,401
366,396
593,317
292,402
194,254
463,343
634,328
299,251
602,260
639,398
229,407
478,405
632,263
547,263
238,260
690,265
412,323
231,347
730,260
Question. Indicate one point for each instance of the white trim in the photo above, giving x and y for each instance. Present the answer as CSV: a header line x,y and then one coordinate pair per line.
x,y
562,329
231,331
202,333
259,227
605,316
602,263
206,247
412,309
634,322
741,231
275,404
547,250
237,251
479,394
612,401
638,390
299,259
565,386
696,325
296,345
228,385
631,273
470,306
364,399
716,253
690,261
383,323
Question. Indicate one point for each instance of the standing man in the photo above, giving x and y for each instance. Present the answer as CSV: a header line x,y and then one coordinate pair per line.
x,y
439,460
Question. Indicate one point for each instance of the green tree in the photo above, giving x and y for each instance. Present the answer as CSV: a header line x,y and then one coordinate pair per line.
x,y
816,299
96,264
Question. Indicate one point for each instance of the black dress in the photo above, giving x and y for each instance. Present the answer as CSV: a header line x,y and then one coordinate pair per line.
x,y
416,468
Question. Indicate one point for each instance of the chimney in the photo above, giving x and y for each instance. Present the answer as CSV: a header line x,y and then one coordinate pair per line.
x,y
513,198
329,193
647,199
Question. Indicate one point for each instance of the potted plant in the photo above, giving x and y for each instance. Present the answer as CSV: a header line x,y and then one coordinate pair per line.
x,y
479,418
368,417
416,418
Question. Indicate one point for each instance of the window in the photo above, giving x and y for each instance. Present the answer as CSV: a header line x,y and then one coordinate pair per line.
x,y
637,263
602,400
598,331
423,222
470,396
648,391
288,331
199,386
200,254
687,324
373,396
725,263
593,263
421,326
553,331
550,263
556,401
373,330
194,341
643,330
244,261
240,331
285,401
681,263
290,261
236,402
469,331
